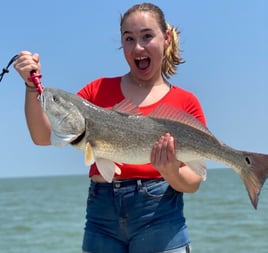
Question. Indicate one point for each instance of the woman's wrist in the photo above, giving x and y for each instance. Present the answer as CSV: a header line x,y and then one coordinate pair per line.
x,y
30,88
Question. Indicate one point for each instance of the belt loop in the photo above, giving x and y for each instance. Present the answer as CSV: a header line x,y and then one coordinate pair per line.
x,y
139,184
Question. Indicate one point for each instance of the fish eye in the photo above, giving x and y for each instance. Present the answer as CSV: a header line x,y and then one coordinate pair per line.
x,y
55,99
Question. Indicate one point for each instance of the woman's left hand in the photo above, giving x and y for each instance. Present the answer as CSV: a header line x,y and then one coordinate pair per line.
x,y
179,176
163,155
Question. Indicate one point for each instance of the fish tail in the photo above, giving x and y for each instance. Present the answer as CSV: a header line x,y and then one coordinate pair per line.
x,y
255,176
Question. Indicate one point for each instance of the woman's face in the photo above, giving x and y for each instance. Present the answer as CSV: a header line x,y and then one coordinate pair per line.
x,y
143,43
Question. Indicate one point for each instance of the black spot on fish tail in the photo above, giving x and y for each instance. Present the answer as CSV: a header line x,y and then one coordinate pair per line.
x,y
255,174
247,160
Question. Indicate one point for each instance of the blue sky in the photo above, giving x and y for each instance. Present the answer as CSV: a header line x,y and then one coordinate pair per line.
x,y
224,43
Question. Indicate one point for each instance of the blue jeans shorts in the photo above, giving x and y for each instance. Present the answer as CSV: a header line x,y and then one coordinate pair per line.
x,y
135,216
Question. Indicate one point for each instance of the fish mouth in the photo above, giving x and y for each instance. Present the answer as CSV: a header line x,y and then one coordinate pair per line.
x,y
142,63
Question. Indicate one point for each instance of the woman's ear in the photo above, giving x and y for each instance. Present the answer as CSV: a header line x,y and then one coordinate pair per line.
x,y
167,38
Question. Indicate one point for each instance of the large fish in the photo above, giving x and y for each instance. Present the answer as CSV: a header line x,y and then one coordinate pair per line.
x,y
123,135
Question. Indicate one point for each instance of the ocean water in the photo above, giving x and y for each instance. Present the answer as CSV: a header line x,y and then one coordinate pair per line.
x,y
46,215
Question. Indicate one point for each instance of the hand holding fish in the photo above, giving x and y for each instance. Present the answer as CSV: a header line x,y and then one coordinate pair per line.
x,y
25,63
179,176
163,156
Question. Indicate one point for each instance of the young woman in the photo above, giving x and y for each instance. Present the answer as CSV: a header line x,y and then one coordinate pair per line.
x,y
141,211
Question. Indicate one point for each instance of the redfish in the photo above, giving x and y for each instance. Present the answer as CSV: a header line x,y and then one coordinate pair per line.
x,y
123,135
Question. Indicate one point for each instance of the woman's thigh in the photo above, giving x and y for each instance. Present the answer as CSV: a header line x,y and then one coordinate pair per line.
x,y
98,243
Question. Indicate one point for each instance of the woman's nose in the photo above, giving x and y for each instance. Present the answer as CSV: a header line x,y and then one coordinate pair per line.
x,y
139,45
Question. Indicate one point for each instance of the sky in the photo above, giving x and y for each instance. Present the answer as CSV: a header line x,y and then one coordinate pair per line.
x,y
224,44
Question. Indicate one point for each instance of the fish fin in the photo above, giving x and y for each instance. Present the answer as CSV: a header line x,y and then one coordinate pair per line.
x,y
89,155
169,112
199,166
126,106
117,170
60,140
107,168
255,176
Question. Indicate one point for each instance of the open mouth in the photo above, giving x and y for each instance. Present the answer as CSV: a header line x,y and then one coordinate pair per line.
x,y
142,63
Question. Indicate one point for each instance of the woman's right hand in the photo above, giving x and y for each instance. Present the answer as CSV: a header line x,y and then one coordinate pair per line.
x,y
25,63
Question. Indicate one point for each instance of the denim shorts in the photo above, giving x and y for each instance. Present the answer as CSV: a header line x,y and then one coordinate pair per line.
x,y
135,216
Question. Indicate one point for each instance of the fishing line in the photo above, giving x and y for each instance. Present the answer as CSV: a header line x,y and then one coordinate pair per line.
x,y
35,78
5,70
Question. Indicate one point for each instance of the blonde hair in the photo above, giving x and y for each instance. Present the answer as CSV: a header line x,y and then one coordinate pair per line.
x,y
172,56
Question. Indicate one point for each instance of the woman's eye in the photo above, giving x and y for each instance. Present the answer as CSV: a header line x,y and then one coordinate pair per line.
x,y
128,39
148,36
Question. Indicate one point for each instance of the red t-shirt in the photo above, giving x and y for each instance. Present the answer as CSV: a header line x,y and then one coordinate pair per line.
x,y
106,92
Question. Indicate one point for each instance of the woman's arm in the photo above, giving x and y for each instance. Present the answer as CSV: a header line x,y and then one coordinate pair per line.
x,y
37,121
